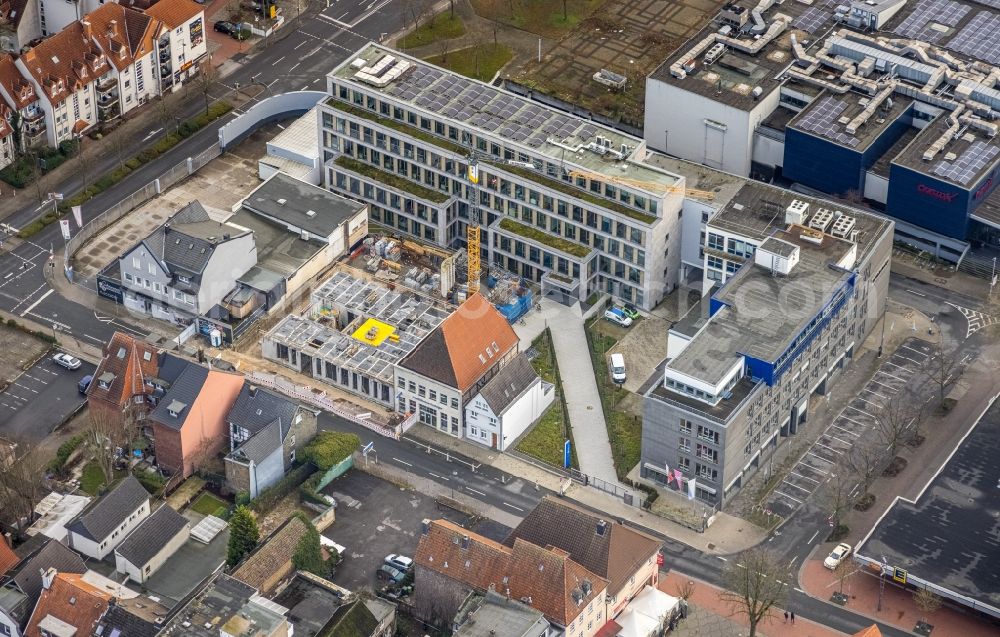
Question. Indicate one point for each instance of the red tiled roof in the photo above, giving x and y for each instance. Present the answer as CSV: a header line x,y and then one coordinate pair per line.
x,y
132,361
174,13
17,87
549,578
64,62
124,33
8,558
871,631
12,11
71,600
465,346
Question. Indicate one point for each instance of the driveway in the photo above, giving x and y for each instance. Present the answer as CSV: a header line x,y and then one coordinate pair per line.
x,y
40,399
376,518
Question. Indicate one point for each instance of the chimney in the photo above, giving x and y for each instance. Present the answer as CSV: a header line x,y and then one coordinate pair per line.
x,y
7,539
86,28
47,578
113,27
252,390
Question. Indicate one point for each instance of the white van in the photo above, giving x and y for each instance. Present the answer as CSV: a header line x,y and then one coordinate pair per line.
x,y
618,368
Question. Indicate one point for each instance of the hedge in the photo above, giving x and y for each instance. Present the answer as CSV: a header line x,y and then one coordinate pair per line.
x,y
271,496
309,492
188,128
63,453
153,481
330,448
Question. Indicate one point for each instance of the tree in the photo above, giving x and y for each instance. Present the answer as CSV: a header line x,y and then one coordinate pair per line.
x,y
844,570
864,460
206,81
119,145
21,482
451,5
166,113
685,589
755,582
927,602
244,535
104,435
943,368
837,493
330,448
895,422
308,554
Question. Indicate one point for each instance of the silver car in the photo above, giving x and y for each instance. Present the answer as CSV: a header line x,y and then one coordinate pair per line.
x,y
65,360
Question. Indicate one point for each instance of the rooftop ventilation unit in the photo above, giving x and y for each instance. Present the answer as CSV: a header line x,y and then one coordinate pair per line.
x,y
843,226
795,213
715,53
821,220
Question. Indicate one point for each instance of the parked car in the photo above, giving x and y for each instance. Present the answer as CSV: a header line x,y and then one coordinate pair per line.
x,y
65,360
84,383
400,562
617,368
631,311
838,555
225,26
617,316
390,574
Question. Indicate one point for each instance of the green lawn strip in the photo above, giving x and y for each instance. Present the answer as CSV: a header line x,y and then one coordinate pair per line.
x,y
624,429
442,26
573,191
539,236
389,179
478,62
92,478
545,441
208,504
406,129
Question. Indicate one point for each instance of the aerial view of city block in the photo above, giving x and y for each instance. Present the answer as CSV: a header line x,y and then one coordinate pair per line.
x,y
499,318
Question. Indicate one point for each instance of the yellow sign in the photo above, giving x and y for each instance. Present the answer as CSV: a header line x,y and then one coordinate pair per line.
x,y
374,332
474,173
899,575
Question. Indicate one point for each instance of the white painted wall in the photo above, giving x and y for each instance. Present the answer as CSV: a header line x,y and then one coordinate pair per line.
x,y
9,624
59,13
768,151
402,392
99,550
139,573
482,423
876,187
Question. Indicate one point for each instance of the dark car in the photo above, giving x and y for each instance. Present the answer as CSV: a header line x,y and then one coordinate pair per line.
x,y
84,383
389,574
225,26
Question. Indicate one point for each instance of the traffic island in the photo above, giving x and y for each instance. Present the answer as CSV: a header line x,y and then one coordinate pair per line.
x,y
923,628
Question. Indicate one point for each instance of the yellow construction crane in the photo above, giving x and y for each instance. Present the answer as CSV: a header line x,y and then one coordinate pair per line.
x,y
472,232
647,185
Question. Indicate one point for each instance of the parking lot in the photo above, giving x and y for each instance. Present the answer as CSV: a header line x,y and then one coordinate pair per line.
x,y
853,422
376,518
40,399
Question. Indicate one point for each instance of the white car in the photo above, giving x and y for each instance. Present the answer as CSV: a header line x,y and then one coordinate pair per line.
x,y
65,360
400,562
838,555
617,316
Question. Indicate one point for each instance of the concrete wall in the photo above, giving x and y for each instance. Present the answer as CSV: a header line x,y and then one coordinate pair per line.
x,y
100,549
442,410
272,108
139,573
59,13
230,260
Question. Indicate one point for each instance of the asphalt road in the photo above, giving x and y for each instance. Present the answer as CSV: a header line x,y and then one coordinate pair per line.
x,y
40,399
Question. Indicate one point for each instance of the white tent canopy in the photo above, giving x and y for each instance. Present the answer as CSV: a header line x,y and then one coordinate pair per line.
x,y
646,613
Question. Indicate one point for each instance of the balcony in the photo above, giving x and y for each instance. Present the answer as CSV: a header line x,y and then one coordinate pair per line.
x,y
107,100
34,116
107,84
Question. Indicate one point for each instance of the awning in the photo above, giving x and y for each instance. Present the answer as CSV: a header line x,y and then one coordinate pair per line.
x,y
646,613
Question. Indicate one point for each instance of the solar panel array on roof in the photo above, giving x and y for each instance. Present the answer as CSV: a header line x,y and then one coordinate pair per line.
x,y
822,120
980,38
917,25
812,19
964,169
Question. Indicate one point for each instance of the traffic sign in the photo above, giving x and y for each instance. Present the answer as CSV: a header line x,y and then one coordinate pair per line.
x,y
899,575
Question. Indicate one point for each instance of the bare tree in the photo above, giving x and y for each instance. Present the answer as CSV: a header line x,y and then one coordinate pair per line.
x,y
928,603
206,81
837,494
21,485
895,421
943,368
451,6
106,434
845,569
443,47
864,460
166,113
685,589
119,145
755,582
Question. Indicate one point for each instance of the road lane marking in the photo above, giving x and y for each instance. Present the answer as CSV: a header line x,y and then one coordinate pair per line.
x,y
92,338
721,558
813,537
279,60
474,491
402,462
508,504
36,303
438,477
294,67
917,293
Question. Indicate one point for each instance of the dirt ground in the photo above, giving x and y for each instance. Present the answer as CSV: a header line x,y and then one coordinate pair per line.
x,y
17,352
219,185
644,347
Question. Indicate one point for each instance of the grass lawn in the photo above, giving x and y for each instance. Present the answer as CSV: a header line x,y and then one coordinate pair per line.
x,y
545,441
92,478
477,62
208,504
543,17
624,429
439,27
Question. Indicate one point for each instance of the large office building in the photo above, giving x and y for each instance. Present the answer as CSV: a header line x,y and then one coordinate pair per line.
x,y
795,286
902,119
563,201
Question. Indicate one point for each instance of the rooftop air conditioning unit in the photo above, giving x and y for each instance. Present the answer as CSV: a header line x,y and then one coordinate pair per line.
x,y
796,212
843,226
821,220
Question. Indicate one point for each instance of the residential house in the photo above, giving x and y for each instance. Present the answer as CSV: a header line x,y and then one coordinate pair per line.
x,y
624,556
257,618
26,117
107,521
189,423
123,380
451,562
56,15
19,24
146,549
69,605
372,617
318,607
265,432
271,563
507,405
23,585
128,38
186,266
453,363
493,615
64,71
181,42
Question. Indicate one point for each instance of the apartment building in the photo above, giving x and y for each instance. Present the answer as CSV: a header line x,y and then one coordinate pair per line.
x,y
799,284
64,71
181,43
56,15
562,200
25,116
19,23
128,37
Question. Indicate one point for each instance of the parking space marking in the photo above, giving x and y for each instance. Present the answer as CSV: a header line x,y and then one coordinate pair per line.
x,y
872,391
25,387
856,422
846,431
909,359
849,444
884,385
810,453
828,447
792,484
788,496
860,411
916,351
882,371
894,364
804,477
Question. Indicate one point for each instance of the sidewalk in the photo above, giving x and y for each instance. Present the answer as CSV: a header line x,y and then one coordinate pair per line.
x,y
898,608
955,281
717,618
